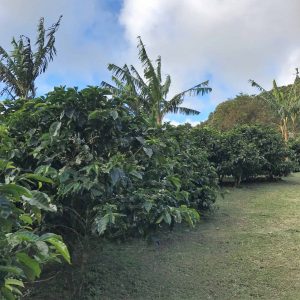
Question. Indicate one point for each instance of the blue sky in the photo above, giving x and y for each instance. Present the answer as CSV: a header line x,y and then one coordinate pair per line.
x,y
225,41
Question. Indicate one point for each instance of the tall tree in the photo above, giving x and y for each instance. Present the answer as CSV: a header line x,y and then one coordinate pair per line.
x,y
148,94
285,103
243,109
295,101
20,68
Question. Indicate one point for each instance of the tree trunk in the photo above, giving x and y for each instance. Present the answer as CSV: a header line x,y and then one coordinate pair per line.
x,y
293,118
286,132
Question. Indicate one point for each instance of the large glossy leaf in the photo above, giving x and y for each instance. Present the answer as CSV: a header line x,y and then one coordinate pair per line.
x,y
55,129
37,177
13,281
14,190
30,263
60,247
24,236
41,201
101,223
6,165
11,270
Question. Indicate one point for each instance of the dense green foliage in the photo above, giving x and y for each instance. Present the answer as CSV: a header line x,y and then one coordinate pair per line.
x,y
113,173
294,145
242,110
246,152
284,103
278,108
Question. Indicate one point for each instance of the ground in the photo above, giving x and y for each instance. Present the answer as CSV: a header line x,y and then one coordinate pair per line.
x,y
248,248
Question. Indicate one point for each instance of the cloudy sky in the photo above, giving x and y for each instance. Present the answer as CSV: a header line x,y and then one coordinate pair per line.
x,y
225,41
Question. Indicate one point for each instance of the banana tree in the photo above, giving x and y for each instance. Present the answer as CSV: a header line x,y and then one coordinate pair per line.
x,y
294,95
286,104
148,94
20,68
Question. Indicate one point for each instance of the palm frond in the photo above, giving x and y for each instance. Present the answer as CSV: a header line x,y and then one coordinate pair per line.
x,y
256,85
140,81
45,53
186,111
201,88
122,73
166,86
149,71
278,95
120,85
110,88
264,94
158,68
138,86
174,104
9,79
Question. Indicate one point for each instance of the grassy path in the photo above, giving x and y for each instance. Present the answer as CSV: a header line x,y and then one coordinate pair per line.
x,y
248,249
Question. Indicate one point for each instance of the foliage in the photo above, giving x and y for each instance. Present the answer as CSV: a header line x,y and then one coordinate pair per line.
x,y
242,110
23,248
285,103
294,145
19,70
246,152
114,175
149,95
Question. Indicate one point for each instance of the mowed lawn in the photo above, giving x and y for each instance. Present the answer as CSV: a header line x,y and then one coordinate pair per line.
x,y
249,248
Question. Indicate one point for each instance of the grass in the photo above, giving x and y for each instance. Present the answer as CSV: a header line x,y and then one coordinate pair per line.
x,y
248,249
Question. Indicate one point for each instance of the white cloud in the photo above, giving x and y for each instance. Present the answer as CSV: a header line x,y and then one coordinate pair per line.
x,y
230,40
287,74
226,41
184,121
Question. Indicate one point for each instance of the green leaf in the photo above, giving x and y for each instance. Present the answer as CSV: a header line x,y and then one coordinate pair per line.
x,y
101,223
159,220
11,270
6,165
30,263
8,295
23,235
42,248
41,201
55,129
147,205
167,218
116,174
136,174
49,235
114,114
60,247
175,181
37,177
13,281
148,151
14,190
26,219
